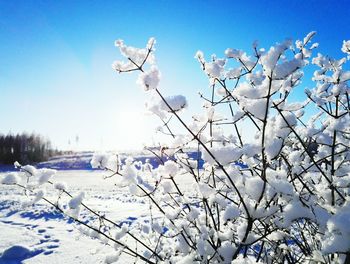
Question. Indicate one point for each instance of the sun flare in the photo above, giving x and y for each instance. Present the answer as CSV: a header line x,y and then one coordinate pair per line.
x,y
132,130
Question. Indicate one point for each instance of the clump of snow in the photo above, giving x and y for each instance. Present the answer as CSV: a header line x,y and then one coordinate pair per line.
x,y
214,69
29,170
122,232
224,155
105,161
233,73
170,168
337,237
226,251
254,187
134,55
233,53
186,260
61,186
160,108
149,80
346,47
295,210
199,55
75,202
279,182
285,69
176,103
269,60
167,186
129,172
100,160
273,147
257,107
112,258
39,195
44,175
231,212
205,190
10,178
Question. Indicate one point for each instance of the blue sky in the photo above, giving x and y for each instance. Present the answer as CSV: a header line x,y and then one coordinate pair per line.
x,y
55,70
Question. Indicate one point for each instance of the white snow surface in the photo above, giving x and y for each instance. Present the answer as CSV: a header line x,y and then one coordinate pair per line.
x,y
39,234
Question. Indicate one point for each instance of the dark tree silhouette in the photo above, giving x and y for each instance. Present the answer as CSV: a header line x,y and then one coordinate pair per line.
x,y
25,148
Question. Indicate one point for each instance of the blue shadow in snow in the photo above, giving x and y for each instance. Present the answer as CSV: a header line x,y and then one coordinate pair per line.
x,y
82,162
50,215
16,254
128,221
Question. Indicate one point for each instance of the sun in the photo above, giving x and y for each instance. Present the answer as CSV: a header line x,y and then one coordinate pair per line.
x,y
133,130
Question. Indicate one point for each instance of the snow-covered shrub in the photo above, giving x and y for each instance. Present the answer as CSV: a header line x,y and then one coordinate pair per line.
x,y
279,196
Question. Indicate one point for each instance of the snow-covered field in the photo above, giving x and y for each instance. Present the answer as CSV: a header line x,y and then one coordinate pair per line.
x,y
38,234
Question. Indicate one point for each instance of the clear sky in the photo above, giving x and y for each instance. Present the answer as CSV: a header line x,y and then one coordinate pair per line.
x,y
55,58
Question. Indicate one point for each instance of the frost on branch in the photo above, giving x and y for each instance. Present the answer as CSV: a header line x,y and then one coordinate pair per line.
x,y
136,57
149,80
168,105
105,161
274,192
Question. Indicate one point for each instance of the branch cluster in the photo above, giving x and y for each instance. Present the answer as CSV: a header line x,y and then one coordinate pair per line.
x,y
279,196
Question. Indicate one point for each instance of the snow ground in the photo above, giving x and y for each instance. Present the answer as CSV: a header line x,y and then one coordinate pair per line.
x,y
38,234
81,161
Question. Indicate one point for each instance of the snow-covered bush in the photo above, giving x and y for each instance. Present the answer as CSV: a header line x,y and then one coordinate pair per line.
x,y
278,196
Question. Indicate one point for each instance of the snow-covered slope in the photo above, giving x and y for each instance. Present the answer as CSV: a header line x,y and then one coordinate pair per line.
x,y
81,161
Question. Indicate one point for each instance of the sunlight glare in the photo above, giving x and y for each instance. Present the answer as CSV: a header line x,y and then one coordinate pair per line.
x,y
132,129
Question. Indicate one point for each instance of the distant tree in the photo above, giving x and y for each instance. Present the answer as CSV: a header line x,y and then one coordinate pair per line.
x,y
24,148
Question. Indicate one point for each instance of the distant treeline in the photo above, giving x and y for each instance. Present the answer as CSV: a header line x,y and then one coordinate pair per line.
x,y
24,148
